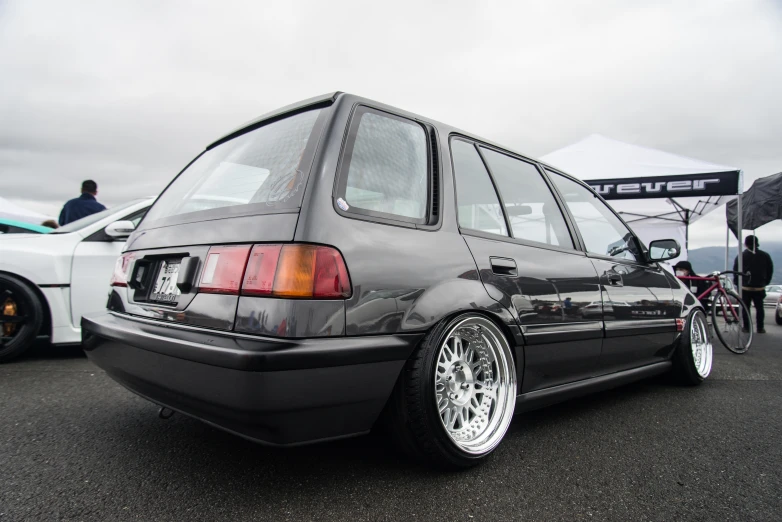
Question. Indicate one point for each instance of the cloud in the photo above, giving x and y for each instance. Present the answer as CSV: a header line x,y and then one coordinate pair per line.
x,y
127,93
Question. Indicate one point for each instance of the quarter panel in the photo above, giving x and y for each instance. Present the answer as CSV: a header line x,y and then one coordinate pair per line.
x,y
92,265
44,259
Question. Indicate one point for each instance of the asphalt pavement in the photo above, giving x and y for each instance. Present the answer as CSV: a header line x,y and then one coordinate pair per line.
x,y
76,446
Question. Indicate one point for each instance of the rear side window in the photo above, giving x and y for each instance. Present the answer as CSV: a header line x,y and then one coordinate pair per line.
x,y
256,171
532,210
385,169
477,202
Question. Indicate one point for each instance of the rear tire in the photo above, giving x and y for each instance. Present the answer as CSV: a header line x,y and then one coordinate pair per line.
x,y
455,398
20,304
729,331
694,356
777,315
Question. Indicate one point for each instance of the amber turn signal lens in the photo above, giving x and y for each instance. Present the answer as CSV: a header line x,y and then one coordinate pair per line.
x,y
295,271
316,272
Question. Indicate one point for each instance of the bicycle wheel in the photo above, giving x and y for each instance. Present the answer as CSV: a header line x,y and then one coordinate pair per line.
x,y
726,318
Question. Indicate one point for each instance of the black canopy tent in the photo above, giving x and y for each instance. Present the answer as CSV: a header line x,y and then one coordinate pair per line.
x,y
761,204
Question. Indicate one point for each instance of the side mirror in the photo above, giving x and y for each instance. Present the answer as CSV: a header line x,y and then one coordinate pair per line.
x,y
664,249
120,229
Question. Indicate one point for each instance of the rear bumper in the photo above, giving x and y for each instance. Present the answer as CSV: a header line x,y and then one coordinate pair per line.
x,y
281,392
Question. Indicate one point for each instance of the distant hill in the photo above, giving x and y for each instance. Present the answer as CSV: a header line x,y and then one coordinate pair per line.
x,y
709,259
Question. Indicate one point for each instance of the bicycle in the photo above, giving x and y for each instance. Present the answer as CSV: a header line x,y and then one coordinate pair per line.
x,y
733,333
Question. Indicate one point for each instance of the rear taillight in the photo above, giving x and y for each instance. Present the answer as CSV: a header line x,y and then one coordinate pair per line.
x,y
261,267
311,271
223,270
291,271
119,277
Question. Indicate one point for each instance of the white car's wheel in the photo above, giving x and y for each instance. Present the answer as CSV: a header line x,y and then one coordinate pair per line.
x,y
21,315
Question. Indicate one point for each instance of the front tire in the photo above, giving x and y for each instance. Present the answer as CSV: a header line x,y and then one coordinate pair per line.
x,y
455,398
778,315
694,356
21,315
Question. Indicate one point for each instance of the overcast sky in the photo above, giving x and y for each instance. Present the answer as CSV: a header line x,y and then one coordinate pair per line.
x,y
126,93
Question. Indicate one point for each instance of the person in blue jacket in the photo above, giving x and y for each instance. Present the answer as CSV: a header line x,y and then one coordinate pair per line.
x,y
83,206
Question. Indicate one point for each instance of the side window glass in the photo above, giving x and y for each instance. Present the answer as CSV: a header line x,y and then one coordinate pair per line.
x,y
135,218
477,202
601,230
386,171
532,210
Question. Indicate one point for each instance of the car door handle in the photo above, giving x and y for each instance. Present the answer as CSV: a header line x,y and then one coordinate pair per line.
x,y
614,279
503,266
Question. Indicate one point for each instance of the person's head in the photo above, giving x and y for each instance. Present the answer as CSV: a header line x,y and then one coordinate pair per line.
x,y
751,242
90,187
50,223
684,268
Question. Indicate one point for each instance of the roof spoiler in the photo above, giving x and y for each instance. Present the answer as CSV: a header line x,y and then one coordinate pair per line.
x,y
311,103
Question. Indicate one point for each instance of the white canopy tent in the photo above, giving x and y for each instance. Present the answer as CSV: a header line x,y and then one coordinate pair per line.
x,y
657,193
9,210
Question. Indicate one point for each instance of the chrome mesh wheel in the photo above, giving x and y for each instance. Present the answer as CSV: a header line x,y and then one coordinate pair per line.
x,y
475,384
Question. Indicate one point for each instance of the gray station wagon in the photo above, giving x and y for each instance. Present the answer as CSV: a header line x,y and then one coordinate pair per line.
x,y
340,265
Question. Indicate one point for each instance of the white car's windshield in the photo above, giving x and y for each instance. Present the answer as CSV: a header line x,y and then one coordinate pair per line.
x,y
93,218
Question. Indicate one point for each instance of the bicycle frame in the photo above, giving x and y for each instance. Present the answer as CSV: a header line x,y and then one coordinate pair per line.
x,y
716,284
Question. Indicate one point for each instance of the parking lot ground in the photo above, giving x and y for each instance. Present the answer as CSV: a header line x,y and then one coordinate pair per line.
x,y
76,446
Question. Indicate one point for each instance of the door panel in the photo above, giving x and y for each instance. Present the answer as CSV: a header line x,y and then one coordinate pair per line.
x,y
637,298
521,244
93,263
636,305
550,292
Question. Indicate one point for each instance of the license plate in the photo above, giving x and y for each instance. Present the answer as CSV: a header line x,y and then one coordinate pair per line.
x,y
166,290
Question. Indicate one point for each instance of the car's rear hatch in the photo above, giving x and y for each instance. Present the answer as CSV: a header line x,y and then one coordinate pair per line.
x,y
185,261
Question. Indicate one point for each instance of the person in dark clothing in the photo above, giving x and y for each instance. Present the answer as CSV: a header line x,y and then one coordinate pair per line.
x,y
760,267
684,269
83,206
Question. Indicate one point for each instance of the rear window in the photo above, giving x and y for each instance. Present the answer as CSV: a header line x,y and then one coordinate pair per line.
x,y
260,170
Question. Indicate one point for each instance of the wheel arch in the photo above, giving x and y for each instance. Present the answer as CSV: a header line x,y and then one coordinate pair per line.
x,y
499,320
497,314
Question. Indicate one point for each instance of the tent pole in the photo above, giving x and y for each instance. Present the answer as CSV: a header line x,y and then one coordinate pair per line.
x,y
687,231
727,247
741,242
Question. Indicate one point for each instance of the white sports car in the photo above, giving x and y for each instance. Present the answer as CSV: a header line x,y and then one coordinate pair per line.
x,y
48,281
